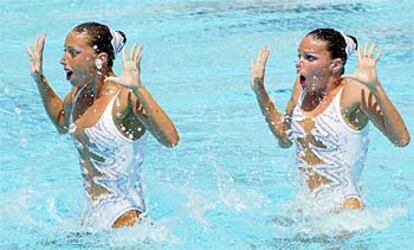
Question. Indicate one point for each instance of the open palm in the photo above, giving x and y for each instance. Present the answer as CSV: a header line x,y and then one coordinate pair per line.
x,y
35,54
366,68
130,76
257,69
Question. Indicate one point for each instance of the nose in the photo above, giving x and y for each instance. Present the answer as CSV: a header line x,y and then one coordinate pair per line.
x,y
63,60
299,64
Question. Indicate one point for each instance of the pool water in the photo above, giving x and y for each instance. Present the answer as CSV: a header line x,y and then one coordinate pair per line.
x,y
227,185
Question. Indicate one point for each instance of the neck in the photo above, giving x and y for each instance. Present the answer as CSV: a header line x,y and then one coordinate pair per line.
x,y
333,83
93,89
314,98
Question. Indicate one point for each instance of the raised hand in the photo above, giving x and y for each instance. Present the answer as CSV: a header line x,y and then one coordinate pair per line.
x,y
258,69
130,76
35,54
366,67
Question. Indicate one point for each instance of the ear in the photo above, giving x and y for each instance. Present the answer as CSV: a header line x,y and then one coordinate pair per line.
x,y
104,58
336,66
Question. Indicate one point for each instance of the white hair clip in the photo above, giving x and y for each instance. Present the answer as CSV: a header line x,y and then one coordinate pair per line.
x,y
350,44
117,41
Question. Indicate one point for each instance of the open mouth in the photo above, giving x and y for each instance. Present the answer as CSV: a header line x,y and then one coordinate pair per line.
x,y
302,79
69,74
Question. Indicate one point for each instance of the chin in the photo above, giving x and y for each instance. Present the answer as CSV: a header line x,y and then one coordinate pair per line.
x,y
75,83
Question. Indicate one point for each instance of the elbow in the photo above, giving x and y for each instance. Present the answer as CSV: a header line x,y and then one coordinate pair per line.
x,y
62,130
172,141
285,144
404,141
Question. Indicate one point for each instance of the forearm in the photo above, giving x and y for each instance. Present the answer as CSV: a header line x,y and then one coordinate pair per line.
x,y
392,121
157,120
52,103
275,119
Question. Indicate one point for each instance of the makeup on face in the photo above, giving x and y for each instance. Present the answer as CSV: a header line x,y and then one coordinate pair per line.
x,y
312,64
77,59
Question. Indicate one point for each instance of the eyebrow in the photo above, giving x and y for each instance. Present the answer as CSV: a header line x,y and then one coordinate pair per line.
x,y
308,52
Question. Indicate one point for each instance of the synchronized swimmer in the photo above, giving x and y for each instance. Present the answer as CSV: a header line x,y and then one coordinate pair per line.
x,y
327,115
108,118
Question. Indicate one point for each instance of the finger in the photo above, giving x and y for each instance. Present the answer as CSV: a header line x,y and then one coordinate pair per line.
x,y
370,99
360,55
112,79
123,57
375,107
139,56
363,101
263,55
42,42
137,53
366,49
259,58
376,59
29,51
139,107
371,50
37,44
132,52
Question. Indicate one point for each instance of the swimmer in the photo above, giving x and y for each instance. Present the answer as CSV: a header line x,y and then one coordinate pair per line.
x,y
108,117
328,113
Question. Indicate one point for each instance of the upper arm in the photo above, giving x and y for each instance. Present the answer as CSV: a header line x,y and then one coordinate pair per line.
x,y
361,105
296,91
66,110
137,108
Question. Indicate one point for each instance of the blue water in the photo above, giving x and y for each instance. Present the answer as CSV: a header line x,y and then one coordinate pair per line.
x,y
227,185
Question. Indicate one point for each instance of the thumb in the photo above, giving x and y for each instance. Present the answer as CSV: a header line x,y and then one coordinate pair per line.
x,y
115,79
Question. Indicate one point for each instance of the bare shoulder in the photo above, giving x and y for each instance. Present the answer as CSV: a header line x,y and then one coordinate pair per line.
x,y
352,93
121,94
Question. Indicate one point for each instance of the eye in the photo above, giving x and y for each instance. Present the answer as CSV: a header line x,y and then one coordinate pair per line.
x,y
72,52
310,58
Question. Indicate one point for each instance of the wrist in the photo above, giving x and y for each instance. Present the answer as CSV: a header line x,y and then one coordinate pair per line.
x,y
39,78
259,90
138,90
375,87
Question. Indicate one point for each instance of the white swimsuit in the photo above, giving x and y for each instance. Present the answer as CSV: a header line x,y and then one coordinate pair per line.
x,y
328,148
113,179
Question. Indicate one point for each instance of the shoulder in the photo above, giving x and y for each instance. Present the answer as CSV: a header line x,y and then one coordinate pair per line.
x,y
352,93
121,95
350,103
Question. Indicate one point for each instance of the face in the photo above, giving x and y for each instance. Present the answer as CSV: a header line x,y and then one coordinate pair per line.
x,y
313,64
79,59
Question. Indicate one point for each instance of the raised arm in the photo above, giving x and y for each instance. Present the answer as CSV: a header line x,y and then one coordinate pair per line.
x,y
147,110
373,100
278,123
53,104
